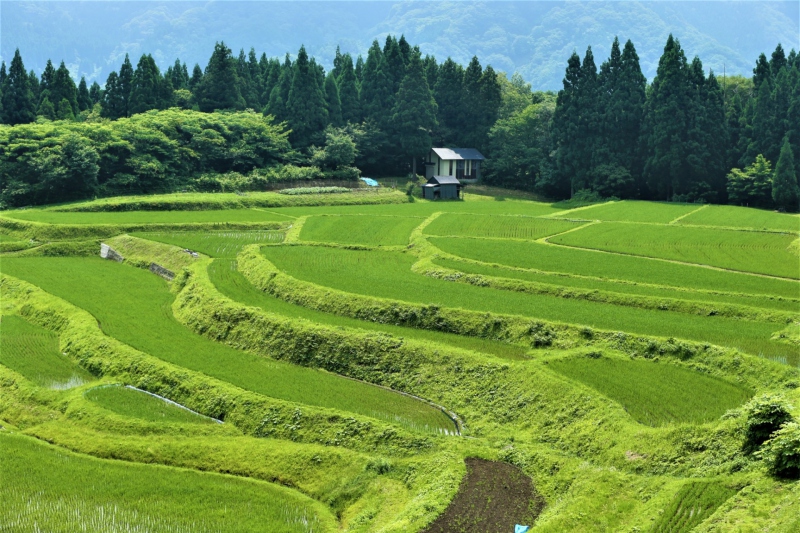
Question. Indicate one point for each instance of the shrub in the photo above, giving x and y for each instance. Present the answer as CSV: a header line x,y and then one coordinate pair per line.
x,y
314,190
782,452
765,415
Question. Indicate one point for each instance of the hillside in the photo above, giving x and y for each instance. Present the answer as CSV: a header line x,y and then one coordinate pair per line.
x,y
533,38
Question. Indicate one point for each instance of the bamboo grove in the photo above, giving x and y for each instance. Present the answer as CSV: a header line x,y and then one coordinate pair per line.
x,y
688,135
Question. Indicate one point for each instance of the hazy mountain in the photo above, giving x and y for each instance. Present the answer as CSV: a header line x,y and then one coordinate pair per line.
x,y
534,38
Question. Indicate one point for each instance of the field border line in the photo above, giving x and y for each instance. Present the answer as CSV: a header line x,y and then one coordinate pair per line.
x,y
671,222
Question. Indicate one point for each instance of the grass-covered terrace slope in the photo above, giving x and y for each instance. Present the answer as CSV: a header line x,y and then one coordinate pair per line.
x,y
134,306
388,275
213,201
253,413
56,490
128,401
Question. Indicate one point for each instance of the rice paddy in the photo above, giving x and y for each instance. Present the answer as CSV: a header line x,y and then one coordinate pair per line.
x,y
635,211
762,253
741,217
694,502
59,491
366,229
497,226
33,352
214,243
146,323
388,275
654,394
131,402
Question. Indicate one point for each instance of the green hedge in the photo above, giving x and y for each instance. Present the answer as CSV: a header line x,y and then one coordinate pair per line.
x,y
314,190
253,414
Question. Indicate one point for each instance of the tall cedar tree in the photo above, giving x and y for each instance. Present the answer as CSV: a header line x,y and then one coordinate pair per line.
x,y
146,86
306,103
113,104
337,63
666,122
48,77
64,88
64,111
84,100
219,88
46,109
431,70
269,79
395,64
449,95
34,85
785,191
95,93
414,112
279,97
348,90
565,130
197,77
777,61
18,104
332,102
359,70
247,85
376,95
491,100
472,108
124,81
255,79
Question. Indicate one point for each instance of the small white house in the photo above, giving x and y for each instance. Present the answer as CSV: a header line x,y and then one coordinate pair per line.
x,y
464,164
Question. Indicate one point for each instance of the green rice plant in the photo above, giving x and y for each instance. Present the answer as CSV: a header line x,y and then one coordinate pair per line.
x,y
617,286
569,260
364,229
48,489
214,243
146,217
763,253
128,401
497,226
145,322
388,275
635,211
691,505
234,285
33,352
742,217
654,393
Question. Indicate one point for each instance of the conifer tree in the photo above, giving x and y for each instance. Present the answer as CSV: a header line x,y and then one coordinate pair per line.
x,y
337,63
777,61
256,73
64,111
124,83
84,100
665,124
197,77
114,103
449,95
247,86
95,93
348,91
332,102
395,65
270,79
18,103
48,77
306,103
64,88
35,85
785,190
761,72
491,100
359,70
279,96
431,70
376,96
414,113
3,73
219,88
146,86
565,131
405,50
46,109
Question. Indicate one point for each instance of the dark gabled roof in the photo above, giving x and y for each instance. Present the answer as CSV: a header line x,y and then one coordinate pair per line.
x,y
444,180
450,154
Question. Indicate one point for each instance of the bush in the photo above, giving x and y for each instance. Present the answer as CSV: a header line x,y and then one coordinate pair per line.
x,y
765,415
314,190
782,452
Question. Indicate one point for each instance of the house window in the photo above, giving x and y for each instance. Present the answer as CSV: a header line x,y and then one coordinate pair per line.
x,y
451,169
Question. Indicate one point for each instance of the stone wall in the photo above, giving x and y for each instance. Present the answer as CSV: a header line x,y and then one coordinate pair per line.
x,y
168,275
107,252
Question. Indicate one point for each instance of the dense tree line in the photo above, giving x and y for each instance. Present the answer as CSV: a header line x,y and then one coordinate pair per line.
x,y
687,136
395,101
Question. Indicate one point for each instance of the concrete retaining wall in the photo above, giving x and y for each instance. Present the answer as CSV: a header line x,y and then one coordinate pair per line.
x,y
158,270
107,252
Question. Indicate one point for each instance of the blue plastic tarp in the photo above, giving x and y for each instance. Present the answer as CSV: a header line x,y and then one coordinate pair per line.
x,y
369,181
521,529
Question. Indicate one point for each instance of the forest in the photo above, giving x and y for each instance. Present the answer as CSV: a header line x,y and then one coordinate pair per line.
x,y
243,121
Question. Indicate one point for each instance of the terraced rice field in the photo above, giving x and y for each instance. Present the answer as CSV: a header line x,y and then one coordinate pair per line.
x,y
388,275
694,502
235,286
127,401
498,226
654,394
568,260
56,490
148,217
146,323
635,211
761,253
739,217
214,243
366,229
570,281
33,352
